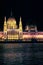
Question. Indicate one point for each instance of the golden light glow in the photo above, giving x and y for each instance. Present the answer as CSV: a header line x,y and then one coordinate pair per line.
x,y
38,36
27,36
11,31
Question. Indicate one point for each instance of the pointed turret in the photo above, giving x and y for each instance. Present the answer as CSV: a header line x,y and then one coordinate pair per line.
x,y
5,25
20,18
20,25
27,28
11,12
36,28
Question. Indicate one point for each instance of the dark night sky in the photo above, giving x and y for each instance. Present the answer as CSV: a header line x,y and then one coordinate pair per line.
x,y
30,11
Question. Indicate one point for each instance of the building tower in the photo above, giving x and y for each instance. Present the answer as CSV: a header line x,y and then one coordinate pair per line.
x,y
27,28
20,29
20,25
36,28
5,25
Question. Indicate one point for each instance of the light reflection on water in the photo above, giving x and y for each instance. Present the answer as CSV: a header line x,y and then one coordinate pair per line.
x,y
21,53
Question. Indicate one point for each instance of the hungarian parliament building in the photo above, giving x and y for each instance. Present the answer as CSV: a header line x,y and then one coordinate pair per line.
x,y
12,32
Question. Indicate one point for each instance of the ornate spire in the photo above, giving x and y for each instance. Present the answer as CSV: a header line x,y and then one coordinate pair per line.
x,y
20,18
5,25
20,25
5,18
11,13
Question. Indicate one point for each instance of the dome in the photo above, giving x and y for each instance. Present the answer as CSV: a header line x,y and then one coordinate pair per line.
x,y
11,23
11,19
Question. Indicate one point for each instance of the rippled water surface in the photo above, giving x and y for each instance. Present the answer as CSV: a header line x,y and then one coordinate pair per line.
x,y
21,54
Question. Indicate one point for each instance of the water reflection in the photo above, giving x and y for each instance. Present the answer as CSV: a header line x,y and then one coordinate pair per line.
x,y
21,53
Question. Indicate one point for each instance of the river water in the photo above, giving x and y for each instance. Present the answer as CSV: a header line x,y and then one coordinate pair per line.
x,y
21,54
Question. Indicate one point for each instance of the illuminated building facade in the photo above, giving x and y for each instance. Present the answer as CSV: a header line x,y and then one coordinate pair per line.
x,y
12,32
